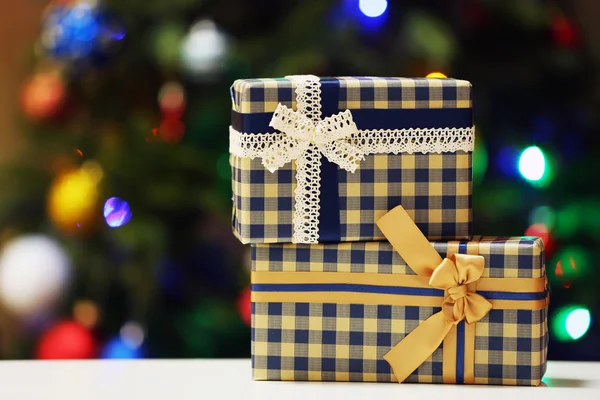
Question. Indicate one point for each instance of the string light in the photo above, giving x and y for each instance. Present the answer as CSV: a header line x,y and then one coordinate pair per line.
x,y
532,164
373,8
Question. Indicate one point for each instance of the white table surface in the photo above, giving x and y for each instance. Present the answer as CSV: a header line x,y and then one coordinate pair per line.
x,y
230,379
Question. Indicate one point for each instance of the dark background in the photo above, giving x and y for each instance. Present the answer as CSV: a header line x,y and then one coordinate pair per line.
x,y
130,99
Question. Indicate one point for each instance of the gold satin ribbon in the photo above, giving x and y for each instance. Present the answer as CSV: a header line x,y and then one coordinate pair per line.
x,y
458,276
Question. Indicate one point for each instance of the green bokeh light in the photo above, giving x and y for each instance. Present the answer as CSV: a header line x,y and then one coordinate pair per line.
x,y
571,323
543,215
535,167
480,159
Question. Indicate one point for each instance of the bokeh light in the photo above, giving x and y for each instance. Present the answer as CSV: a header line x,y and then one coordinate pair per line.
x,y
480,159
572,263
541,231
507,159
203,50
543,215
66,340
171,130
117,349
373,8
116,212
578,323
571,323
43,96
86,313
438,75
223,167
532,164
244,306
78,30
171,98
132,334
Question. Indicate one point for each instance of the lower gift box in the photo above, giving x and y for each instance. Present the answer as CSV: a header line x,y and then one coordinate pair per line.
x,y
408,310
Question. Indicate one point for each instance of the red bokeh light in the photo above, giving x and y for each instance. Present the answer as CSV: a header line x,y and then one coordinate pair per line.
x,y
564,32
244,306
66,341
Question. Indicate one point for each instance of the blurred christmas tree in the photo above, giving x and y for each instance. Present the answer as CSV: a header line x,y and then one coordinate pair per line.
x,y
114,217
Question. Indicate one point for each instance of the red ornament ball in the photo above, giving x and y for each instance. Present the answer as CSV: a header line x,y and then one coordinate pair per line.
x,y
244,306
66,341
43,96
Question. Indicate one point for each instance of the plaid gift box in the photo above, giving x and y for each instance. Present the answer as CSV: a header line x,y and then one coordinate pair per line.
x,y
331,312
397,141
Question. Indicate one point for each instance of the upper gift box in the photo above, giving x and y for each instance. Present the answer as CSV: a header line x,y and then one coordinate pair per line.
x,y
321,159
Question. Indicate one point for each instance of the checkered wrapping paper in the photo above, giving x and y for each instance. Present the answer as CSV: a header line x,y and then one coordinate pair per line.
x,y
346,342
435,189
263,95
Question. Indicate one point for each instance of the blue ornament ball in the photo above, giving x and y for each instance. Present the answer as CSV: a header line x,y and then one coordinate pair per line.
x,y
116,212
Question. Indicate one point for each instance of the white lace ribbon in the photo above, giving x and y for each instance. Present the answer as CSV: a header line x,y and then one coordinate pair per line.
x,y
303,136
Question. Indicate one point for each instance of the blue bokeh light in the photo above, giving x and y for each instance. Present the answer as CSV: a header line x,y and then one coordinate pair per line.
x,y
116,348
508,160
79,31
116,212
373,8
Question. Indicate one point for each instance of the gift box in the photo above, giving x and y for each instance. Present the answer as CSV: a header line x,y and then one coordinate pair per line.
x,y
408,310
321,159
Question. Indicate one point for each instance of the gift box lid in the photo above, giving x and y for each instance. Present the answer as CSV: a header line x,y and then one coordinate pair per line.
x,y
263,95
309,132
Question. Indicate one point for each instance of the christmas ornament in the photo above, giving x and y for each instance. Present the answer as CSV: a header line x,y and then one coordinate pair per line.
x,y
66,340
43,96
203,50
79,30
116,212
34,272
73,198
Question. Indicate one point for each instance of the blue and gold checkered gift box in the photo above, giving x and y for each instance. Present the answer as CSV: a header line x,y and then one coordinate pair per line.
x,y
331,312
414,137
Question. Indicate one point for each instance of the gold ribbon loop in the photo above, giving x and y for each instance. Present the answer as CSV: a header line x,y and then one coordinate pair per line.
x,y
453,274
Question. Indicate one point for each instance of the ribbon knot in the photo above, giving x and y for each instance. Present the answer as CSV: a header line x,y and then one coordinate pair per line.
x,y
330,137
454,274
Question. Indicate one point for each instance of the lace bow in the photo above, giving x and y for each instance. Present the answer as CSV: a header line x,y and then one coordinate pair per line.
x,y
299,132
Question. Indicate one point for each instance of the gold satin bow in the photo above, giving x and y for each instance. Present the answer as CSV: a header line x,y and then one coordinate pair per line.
x,y
456,275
